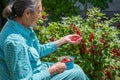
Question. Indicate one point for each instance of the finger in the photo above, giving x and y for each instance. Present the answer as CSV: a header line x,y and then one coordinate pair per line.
x,y
78,40
61,71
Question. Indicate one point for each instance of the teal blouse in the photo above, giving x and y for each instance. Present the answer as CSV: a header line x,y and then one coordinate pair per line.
x,y
20,53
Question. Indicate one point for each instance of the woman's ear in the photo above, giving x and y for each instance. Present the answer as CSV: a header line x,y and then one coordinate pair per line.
x,y
26,13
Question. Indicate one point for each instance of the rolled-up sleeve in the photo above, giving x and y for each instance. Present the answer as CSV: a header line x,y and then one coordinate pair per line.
x,y
18,61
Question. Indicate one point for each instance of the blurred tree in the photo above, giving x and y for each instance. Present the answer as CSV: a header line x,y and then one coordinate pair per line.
x,y
3,3
102,4
60,8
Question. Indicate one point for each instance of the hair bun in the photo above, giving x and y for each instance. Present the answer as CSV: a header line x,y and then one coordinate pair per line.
x,y
7,12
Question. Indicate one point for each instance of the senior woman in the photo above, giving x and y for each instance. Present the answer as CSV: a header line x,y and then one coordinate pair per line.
x,y
20,50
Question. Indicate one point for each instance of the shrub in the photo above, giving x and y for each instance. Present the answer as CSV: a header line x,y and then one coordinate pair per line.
x,y
99,51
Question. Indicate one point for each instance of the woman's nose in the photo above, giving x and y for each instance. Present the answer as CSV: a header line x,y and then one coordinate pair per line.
x,y
39,16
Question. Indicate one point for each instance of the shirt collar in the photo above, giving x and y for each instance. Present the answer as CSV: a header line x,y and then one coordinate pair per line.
x,y
26,32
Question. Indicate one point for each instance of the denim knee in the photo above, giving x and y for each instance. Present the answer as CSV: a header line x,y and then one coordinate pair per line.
x,y
79,74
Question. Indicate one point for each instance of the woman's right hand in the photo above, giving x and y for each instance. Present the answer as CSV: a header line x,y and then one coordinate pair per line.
x,y
58,67
71,38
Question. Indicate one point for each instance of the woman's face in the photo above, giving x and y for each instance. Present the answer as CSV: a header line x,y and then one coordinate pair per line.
x,y
34,16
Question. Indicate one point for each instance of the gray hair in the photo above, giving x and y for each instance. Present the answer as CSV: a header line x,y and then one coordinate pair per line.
x,y
18,6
